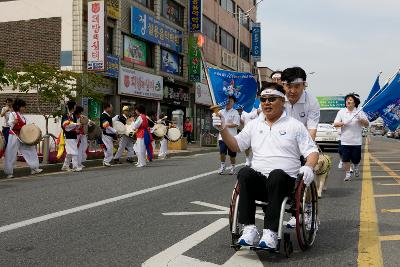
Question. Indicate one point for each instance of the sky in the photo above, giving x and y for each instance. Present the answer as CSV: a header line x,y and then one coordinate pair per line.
x,y
345,42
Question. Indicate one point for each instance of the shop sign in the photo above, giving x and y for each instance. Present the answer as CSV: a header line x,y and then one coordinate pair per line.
x,y
195,15
134,51
137,83
171,62
202,95
176,95
94,109
112,66
256,41
95,53
153,30
194,58
113,9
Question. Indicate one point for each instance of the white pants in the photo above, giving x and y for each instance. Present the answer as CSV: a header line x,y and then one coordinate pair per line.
x,y
28,152
82,149
108,151
71,147
125,142
140,149
163,148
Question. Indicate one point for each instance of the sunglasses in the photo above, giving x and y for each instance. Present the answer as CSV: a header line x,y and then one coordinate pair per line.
x,y
268,99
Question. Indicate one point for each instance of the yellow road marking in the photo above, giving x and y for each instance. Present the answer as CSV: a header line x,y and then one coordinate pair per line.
x,y
388,195
390,210
386,162
386,168
386,176
389,238
369,247
386,184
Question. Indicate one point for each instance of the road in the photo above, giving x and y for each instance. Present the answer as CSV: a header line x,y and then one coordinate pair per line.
x,y
174,213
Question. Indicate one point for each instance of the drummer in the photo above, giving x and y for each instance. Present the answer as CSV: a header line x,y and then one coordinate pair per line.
x,y
5,112
71,128
109,134
144,138
82,137
163,152
124,141
16,121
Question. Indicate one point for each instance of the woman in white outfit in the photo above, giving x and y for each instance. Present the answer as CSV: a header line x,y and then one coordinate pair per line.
x,y
16,122
82,138
163,152
142,136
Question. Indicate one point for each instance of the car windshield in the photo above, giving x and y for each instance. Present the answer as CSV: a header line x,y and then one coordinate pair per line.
x,y
327,116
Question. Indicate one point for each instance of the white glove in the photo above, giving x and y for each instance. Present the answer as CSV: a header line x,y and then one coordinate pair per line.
x,y
308,174
218,121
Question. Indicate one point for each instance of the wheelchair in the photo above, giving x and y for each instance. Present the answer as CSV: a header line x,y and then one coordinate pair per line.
x,y
294,205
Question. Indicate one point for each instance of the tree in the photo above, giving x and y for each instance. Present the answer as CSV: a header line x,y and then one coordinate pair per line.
x,y
7,76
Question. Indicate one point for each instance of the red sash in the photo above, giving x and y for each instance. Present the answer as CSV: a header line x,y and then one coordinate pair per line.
x,y
17,127
142,127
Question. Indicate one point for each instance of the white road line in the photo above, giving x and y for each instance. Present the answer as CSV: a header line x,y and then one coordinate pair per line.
x,y
216,212
57,214
208,205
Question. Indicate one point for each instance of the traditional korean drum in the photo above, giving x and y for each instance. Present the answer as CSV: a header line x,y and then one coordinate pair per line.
x,y
119,127
30,134
94,132
173,134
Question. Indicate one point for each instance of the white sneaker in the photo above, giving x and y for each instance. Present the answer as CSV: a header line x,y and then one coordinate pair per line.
x,y
9,176
231,171
269,239
248,163
140,166
351,168
221,170
78,169
291,223
68,169
250,236
36,171
347,178
340,165
106,164
356,172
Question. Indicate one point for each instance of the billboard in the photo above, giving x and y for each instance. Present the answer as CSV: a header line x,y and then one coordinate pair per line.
x,y
95,50
113,9
134,51
155,31
137,83
331,101
194,58
256,41
203,95
195,16
170,62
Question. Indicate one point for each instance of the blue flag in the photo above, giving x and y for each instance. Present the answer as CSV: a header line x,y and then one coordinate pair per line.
x,y
241,85
387,104
375,88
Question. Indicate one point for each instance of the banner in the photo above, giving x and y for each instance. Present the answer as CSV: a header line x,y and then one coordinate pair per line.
x,y
141,84
95,50
135,51
242,85
256,41
195,66
375,89
113,9
155,31
170,62
386,105
331,101
202,95
195,16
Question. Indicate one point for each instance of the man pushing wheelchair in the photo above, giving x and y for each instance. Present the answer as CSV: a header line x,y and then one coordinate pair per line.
x,y
277,141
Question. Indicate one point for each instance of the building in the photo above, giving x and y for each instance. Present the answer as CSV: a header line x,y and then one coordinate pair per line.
x,y
265,74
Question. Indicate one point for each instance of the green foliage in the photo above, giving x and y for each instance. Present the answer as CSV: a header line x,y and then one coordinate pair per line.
x,y
7,76
87,83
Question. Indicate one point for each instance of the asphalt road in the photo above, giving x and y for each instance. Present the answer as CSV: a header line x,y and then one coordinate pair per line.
x,y
174,213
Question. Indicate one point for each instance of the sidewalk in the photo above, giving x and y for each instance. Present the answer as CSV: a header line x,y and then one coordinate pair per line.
x,y
22,169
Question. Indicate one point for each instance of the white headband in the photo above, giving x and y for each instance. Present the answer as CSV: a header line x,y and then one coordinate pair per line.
x,y
298,80
270,91
276,75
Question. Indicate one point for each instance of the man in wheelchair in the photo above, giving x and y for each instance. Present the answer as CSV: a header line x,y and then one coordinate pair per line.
x,y
277,142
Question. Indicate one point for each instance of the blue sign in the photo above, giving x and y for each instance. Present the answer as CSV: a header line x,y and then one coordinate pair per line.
x,y
256,41
170,62
148,28
112,66
241,85
195,12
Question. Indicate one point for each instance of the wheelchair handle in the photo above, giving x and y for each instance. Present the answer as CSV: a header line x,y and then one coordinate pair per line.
x,y
299,177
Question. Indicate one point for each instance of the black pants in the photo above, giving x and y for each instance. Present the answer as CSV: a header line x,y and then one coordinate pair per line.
x,y
188,135
6,132
256,186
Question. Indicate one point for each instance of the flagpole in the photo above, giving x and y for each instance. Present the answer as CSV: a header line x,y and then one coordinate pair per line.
x,y
215,107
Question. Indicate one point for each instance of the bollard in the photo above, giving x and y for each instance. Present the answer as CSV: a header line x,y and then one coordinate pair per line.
x,y
46,149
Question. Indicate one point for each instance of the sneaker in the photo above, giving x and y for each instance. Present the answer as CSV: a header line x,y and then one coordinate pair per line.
x,y
356,172
140,166
78,169
291,223
67,169
82,166
36,171
232,171
250,236
340,165
106,164
269,239
9,176
347,178
221,170
248,163
351,168
129,160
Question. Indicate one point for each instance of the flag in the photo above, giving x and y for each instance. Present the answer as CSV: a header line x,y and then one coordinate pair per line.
x,y
387,104
241,85
61,144
375,89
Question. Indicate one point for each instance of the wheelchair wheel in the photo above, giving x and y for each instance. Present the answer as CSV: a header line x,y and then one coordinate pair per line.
x,y
306,214
233,218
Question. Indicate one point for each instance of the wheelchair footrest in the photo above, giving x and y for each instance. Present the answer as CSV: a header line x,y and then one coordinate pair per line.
x,y
271,250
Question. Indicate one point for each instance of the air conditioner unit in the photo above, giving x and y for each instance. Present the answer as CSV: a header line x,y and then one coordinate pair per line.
x,y
228,59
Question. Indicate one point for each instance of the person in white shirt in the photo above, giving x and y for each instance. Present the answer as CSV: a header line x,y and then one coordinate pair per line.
x,y
351,120
277,141
5,112
125,142
109,134
299,103
245,118
232,122
276,77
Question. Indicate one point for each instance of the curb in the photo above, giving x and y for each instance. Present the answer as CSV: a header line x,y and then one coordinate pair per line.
x,y
56,167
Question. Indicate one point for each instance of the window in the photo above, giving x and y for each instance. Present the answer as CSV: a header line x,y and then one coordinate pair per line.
x,y
172,11
244,19
244,52
210,29
110,40
228,5
147,3
227,40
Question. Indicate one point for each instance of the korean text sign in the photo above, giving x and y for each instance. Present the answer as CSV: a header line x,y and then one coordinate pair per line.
x,y
256,41
95,53
195,15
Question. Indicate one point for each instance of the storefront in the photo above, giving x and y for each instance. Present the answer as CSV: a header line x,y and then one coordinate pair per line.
x,y
203,114
176,97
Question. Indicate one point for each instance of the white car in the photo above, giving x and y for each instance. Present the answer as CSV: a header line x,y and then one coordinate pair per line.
x,y
327,136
